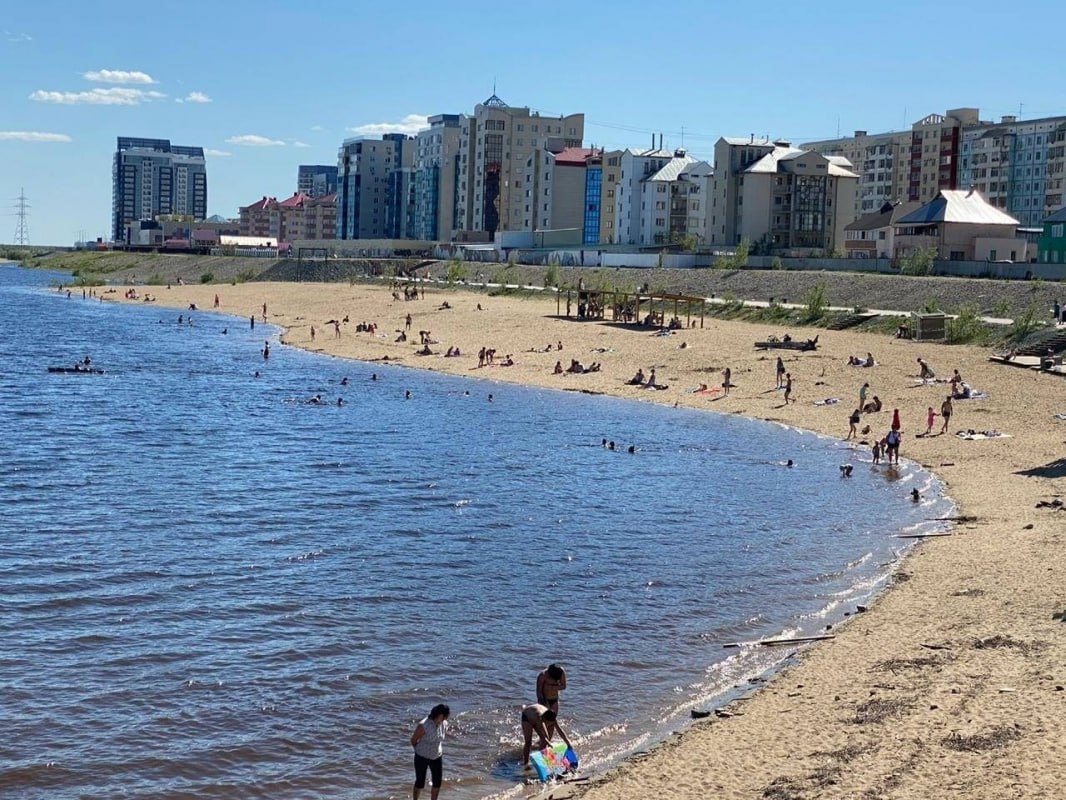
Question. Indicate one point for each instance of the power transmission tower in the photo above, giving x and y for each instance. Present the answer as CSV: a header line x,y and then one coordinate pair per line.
x,y
22,231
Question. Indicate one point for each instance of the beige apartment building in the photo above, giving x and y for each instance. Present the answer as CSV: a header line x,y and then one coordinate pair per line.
x,y
495,145
797,201
554,189
436,168
935,149
882,161
611,162
731,157
904,166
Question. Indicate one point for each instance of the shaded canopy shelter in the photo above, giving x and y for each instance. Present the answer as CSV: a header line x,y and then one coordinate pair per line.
x,y
633,308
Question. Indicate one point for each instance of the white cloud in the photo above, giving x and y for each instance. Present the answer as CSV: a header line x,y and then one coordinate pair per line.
x,y
17,37
317,128
254,140
115,96
298,143
33,136
412,123
194,97
118,76
218,153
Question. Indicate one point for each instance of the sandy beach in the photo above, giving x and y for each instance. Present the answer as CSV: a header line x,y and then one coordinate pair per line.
x,y
950,685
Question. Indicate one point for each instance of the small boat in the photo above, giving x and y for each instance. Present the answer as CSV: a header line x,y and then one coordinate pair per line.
x,y
78,370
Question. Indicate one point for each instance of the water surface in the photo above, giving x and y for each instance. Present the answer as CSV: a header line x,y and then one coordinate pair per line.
x,y
209,587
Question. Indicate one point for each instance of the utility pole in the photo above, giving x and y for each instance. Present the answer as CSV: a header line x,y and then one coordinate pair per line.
x,y
22,231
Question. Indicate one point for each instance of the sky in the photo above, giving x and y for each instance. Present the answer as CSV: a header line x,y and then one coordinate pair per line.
x,y
265,86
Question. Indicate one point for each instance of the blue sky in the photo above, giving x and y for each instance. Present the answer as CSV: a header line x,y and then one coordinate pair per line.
x,y
302,76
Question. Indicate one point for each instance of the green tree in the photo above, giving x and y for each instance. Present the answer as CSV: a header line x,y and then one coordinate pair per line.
x,y
919,262
739,258
551,274
456,271
817,301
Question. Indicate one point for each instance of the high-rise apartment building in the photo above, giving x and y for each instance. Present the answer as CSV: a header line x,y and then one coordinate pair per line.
x,y
152,177
904,166
316,180
882,161
366,194
1017,166
436,169
935,152
495,145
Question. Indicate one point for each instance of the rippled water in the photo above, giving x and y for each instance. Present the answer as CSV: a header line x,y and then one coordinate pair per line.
x,y
209,587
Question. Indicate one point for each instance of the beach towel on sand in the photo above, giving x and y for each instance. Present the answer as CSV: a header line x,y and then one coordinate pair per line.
x,y
829,401
975,436
973,396
1060,416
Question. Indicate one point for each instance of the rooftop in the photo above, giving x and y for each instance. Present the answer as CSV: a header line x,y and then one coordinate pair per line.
x,y
958,205
574,156
887,216
1058,216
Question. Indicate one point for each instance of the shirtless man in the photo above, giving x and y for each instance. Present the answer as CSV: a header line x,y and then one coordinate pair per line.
x,y
536,718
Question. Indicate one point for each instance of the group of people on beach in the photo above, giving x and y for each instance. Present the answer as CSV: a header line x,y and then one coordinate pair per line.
x,y
540,718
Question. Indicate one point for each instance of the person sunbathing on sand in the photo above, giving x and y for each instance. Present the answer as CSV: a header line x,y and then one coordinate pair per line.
x,y
558,368
638,379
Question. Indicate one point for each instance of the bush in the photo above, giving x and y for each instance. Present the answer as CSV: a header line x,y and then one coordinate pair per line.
x,y
737,260
155,279
456,271
551,275
777,263
245,275
207,277
919,262
1024,325
88,279
817,301
967,327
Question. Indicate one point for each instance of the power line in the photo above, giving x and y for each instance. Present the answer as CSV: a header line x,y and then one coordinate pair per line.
x,y
22,231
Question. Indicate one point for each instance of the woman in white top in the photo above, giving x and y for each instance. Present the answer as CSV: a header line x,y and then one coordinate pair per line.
x,y
428,742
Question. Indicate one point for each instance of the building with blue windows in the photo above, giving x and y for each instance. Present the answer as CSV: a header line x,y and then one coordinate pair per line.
x,y
435,185
152,177
368,201
590,233
316,180
1017,166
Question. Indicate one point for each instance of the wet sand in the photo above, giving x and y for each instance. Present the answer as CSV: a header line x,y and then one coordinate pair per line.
x,y
951,685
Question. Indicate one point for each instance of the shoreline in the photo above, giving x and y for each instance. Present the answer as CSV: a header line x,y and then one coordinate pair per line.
x,y
932,717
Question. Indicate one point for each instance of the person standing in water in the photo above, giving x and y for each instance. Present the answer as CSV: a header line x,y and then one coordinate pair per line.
x,y
550,682
428,742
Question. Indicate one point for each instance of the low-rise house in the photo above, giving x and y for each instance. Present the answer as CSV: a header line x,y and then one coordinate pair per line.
x,y
873,235
961,226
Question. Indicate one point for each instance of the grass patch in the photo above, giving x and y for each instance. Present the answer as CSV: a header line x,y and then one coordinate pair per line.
x,y
878,709
999,642
994,739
